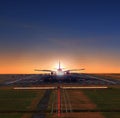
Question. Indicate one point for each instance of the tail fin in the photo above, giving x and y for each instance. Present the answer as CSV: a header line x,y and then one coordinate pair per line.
x,y
59,64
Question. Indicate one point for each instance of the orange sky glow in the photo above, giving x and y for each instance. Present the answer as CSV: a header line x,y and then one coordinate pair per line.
x,y
27,65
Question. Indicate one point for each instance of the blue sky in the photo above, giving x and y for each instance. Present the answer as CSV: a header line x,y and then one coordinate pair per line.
x,y
61,29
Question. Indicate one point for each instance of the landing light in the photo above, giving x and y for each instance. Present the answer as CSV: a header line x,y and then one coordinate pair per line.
x,y
56,66
60,73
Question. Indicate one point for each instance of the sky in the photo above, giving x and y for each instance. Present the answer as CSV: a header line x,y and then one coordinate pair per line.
x,y
79,33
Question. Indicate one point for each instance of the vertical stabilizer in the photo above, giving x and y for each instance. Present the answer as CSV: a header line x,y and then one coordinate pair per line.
x,y
59,64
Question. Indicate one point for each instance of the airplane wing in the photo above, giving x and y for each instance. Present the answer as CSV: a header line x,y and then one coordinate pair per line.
x,y
44,70
74,70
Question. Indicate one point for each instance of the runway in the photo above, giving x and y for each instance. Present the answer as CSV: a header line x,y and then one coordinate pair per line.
x,y
81,79
43,104
71,98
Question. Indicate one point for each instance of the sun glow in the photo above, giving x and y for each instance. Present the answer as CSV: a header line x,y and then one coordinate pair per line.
x,y
60,73
56,66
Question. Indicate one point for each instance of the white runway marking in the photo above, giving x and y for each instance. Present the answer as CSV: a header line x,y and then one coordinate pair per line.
x,y
23,88
68,99
53,102
65,101
85,87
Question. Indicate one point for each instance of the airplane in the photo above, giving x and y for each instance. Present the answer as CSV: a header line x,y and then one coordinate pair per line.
x,y
60,71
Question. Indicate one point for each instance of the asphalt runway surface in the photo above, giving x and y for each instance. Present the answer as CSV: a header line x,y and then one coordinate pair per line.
x,y
43,104
81,79
36,80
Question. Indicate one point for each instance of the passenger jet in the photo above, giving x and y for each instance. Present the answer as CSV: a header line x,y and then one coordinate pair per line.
x,y
60,71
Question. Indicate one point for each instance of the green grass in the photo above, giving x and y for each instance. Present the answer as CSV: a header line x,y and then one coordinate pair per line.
x,y
10,115
106,99
15,100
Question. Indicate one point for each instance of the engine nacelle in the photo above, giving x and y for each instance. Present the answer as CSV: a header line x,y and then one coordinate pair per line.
x,y
52,73
67,72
